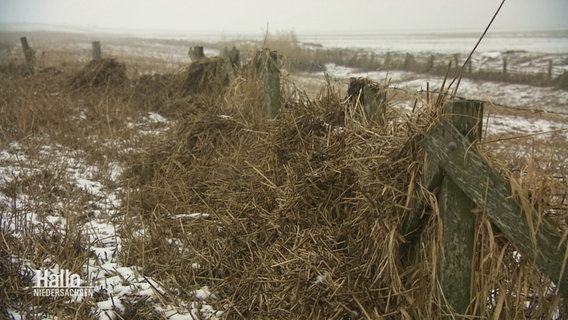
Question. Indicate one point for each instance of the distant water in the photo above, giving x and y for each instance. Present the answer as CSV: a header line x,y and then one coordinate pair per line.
x,y
554,42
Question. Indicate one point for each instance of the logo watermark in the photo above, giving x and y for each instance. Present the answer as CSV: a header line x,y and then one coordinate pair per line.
x,y
49,283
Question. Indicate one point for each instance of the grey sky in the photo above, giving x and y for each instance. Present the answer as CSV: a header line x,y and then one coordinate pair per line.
x,y
252,16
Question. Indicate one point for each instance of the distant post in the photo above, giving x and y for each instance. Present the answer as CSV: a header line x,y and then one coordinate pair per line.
x,y
196,53
408,61
232,61
504,67
374,98
29,54
96,50
387,62
457,60
549,70
430,64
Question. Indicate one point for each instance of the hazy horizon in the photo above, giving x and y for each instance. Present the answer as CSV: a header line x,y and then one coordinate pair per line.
x,y
303,17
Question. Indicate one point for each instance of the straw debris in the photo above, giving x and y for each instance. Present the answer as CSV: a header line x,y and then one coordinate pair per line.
x,y
304,214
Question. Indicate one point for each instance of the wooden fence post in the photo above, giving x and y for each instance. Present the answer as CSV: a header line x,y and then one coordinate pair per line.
x,y
96,50
196,53
374,98
504,67
457,60
271,74
430,64
408,61
458,222
387,62
28,53
549,70
232,61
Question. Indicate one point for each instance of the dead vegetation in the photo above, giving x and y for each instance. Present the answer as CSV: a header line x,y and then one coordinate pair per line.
x,y
301,217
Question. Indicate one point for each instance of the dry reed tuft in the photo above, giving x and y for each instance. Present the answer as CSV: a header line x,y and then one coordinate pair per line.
x,y
100,73
302,215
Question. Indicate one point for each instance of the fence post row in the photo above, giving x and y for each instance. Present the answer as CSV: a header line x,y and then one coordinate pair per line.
x,y
29,54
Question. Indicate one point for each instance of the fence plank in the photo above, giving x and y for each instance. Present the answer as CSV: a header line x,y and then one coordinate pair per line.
x,y
491,192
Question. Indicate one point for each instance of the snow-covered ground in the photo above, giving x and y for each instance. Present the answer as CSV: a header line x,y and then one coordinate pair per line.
x,y
113,283
540,100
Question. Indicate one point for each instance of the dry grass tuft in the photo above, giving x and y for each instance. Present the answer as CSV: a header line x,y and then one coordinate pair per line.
x,y
100,73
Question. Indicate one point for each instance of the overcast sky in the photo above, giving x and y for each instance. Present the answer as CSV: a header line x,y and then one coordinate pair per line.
x,y
302,16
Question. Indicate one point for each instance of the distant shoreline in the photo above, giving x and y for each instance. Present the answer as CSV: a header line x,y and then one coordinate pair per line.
x,y
30,27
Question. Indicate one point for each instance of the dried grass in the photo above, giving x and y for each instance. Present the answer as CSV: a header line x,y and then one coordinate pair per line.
x,y
304,216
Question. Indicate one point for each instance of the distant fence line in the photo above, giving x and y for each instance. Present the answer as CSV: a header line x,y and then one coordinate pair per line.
x,y
545,73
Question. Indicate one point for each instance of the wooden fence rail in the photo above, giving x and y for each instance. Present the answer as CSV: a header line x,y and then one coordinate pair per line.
x,y
469,182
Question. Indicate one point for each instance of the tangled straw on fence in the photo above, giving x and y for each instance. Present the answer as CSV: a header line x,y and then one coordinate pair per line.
x,y
304,216
298,217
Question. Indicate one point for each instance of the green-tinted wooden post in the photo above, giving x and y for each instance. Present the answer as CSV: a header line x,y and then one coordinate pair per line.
x,y
538,240
271,76
96,50
28,54
458,221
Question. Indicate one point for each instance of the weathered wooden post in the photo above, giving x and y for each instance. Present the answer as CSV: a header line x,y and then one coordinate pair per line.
x,y
387,62
504,67
271,75
232,61
196,53
29,54
96,50
457,60
374,99
430,64
550,70
408,61
458,221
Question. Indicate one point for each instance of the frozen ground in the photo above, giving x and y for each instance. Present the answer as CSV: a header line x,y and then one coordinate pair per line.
x,y
96,191
540,100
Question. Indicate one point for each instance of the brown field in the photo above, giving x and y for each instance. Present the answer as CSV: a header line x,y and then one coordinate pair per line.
x,y
169,192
